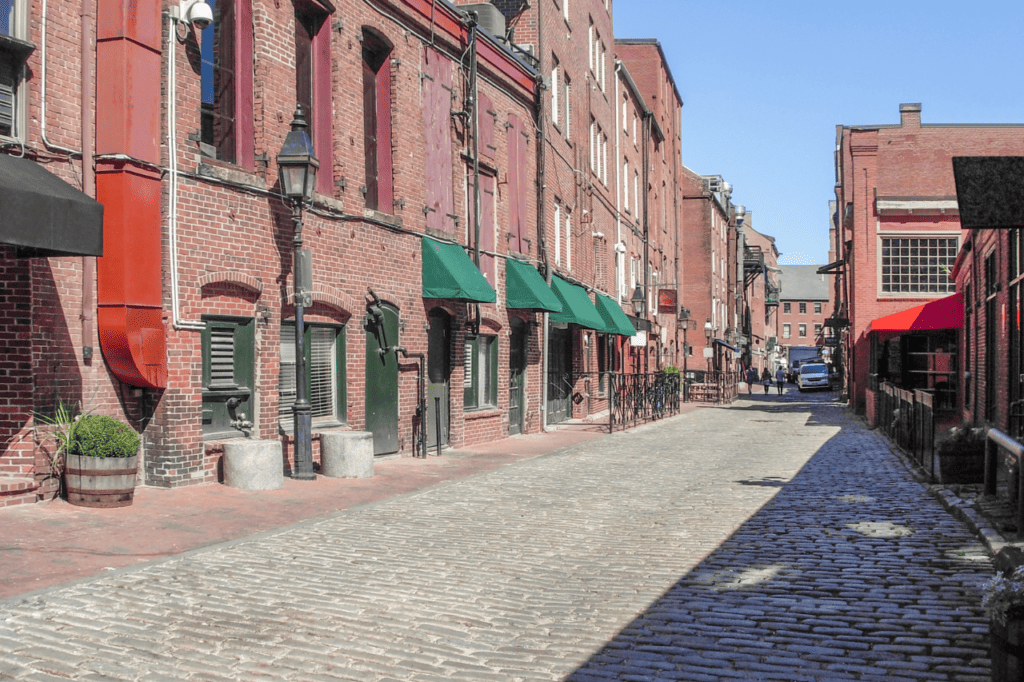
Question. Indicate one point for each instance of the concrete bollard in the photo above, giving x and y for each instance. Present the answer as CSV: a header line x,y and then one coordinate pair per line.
x,y
346,454
254,465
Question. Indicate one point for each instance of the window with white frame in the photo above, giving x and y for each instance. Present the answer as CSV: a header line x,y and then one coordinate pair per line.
x,y
567,221
591,45
620,266
555,91
595,133
325,373
786,330
625,115
625,185
803,307
567,107
917,264
803,329
636,194
558,233
480,373
14,51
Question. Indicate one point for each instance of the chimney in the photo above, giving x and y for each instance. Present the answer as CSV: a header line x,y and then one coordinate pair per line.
x,y
910,115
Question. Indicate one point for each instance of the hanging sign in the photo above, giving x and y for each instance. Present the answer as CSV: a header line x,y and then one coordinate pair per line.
x,y
667,301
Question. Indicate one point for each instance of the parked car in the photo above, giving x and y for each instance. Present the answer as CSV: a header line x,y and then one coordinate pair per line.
x,y
812,375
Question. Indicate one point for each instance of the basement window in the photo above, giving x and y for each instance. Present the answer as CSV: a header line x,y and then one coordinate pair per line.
x,y
228,347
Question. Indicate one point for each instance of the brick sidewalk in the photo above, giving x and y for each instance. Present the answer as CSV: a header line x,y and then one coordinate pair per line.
x,y
52,543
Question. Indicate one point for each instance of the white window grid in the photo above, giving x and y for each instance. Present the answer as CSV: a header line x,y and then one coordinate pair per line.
x,y
913,264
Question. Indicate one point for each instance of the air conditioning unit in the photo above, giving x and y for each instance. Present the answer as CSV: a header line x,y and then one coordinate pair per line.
x,y
488,17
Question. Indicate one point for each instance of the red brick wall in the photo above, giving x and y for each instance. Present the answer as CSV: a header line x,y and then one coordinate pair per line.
x,y
909,160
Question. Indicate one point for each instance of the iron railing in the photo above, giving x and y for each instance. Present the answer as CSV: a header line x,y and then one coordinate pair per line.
x,y
638,398
714,387
908,419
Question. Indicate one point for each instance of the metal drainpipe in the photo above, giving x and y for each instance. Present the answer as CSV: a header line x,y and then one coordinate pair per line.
x,y
474,95
88,179
542,246
645,178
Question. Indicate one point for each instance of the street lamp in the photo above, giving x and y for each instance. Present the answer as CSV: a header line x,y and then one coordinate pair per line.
x,y
638,299
296,169
684,322
708,332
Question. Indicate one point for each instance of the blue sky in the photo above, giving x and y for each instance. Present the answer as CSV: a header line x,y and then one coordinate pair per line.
x,y
764,85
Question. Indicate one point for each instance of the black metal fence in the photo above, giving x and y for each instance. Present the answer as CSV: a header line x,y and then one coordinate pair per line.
x,y
908,419
638,398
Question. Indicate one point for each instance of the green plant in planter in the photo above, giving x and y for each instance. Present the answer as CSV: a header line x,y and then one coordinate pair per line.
x,y
961,454
1003,598
99,436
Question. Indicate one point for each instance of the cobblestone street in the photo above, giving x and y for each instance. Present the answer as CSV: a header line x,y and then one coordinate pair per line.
x,y
773,539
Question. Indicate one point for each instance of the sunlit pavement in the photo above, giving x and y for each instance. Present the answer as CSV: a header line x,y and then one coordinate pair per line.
x,y
774,539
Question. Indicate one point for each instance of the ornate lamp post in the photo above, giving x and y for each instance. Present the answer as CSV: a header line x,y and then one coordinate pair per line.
x,y
708,331
296,167
638,299
684,322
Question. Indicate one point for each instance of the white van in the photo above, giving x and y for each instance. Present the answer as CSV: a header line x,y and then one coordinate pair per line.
x,y
812,375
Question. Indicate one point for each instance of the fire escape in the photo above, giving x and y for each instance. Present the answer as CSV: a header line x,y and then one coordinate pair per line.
x,y
753,267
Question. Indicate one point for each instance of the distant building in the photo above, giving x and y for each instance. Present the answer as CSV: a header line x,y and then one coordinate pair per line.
x,y
804,305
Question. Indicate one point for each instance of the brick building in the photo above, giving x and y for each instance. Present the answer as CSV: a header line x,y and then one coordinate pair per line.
x,y
898,235
194,296
804,304
761,289
480,184
989,273
709,268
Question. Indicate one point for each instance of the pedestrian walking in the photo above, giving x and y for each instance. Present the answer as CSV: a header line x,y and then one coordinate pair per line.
x,y
780,379
766,378
751,379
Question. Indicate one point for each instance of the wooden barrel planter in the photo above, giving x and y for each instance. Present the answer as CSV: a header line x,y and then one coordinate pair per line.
x,y
1007,651
100,481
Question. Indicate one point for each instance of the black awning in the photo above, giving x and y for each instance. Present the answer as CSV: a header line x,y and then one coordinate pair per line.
x,y
44,215
990,191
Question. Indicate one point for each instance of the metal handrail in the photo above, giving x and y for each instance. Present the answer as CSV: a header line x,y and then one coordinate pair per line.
x,y
995,439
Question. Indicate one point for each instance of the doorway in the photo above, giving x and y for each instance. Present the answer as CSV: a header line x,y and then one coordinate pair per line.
x,y
517,376
382,378
439,367
559,374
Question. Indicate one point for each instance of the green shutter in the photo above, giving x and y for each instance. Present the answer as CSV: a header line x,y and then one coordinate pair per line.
x,y
229,352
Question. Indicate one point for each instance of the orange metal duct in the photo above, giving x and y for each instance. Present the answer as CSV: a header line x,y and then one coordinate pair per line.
x,y
128,95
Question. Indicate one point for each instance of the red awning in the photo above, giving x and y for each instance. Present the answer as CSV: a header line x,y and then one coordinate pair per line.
x,y
944,313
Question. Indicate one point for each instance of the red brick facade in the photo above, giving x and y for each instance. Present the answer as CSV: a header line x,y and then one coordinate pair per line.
x,y
895,191
225,237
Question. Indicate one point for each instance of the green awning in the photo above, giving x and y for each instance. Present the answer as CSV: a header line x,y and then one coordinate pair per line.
x,y
449,273
576,306
526,289
616,321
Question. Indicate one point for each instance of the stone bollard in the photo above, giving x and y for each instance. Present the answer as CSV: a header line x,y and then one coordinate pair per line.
x,y
254,464
346,454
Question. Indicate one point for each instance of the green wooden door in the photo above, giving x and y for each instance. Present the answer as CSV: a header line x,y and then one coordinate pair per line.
x,y
382,380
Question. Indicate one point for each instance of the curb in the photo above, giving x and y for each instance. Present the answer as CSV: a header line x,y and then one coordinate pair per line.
x,y
957,507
